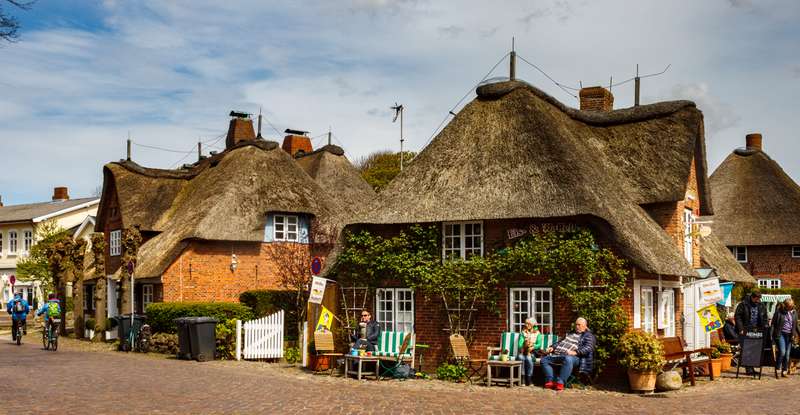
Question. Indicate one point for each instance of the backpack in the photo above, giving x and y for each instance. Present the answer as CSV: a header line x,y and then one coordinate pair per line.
x,y
18,307
53,310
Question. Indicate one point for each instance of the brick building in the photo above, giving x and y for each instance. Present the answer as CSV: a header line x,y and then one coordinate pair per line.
x,y
757,214
515,160
228,223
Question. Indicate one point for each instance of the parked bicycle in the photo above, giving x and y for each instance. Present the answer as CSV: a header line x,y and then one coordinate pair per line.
x,y
139,338
50,335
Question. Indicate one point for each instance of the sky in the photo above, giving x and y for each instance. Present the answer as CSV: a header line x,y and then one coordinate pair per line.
x,y
85,75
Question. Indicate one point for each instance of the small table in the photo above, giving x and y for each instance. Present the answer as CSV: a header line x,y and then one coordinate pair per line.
x,y
348,358
514,372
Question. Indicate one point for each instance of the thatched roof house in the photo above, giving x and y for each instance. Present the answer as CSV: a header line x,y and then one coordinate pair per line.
x,y
757,203
516,152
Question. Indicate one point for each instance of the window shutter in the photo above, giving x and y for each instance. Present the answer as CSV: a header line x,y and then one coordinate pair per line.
x,y
268,229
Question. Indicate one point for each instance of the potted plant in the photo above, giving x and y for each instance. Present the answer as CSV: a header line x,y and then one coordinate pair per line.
x,y
89,326
643,355
725,354
716,362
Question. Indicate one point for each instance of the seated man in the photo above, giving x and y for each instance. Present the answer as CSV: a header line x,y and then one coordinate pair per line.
x,y
568,352
367,334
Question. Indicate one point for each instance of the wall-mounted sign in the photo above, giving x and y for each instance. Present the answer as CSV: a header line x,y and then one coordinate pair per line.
x,y
710,292
317,290
709,318
538,228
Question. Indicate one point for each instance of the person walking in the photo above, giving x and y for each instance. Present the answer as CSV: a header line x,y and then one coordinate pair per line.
x,y
751,317
784,328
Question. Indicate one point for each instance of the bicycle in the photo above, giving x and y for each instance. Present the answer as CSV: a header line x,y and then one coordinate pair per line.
x,y
20,331
50,335
139,338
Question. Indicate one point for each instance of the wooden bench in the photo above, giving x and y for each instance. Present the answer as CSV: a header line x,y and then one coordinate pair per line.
x,y
676,355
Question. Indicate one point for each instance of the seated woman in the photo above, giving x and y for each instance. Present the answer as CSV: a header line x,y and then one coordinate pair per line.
x,y
527,339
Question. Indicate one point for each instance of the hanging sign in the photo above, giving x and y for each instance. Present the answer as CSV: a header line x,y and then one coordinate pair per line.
x,y
317,290
325,320
726,287
709,318
710,291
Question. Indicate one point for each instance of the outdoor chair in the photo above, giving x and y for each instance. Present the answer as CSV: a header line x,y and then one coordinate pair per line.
x,y
461,355
323,344
392,370
677,356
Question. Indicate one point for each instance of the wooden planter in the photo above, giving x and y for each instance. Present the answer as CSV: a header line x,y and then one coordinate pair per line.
x,y
642,381
726,360
716,367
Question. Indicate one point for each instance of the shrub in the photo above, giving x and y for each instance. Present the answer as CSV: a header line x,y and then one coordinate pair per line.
x,y
226,339
164,343
161,316
723,347
291,355
641,351
450,372
266,302
89,324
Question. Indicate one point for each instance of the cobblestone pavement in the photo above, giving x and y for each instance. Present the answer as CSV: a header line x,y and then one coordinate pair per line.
x,y
87,378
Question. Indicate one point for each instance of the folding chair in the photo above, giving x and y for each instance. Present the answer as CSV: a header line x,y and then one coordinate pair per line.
x,y
392,371
461,356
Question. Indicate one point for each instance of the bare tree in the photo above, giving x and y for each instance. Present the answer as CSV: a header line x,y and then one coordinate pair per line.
x,y
9,25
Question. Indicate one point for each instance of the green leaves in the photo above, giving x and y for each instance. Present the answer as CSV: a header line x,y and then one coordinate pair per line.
x,y
641,351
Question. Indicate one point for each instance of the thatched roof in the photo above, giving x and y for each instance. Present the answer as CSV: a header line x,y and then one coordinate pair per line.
x,y
516,152
714,254
757,203
329,167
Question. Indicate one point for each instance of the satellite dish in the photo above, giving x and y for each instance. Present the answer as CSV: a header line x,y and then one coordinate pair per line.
x,y
704,231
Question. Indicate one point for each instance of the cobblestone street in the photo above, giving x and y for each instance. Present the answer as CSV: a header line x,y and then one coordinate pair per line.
x,y
85,378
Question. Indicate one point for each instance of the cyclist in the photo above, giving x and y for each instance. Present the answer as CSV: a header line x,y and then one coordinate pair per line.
x,y
51,309
19,309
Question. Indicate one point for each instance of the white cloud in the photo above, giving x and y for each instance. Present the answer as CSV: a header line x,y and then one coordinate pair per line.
x,y
717,115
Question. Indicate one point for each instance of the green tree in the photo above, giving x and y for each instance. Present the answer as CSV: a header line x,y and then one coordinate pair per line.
x,y
36,265
379,168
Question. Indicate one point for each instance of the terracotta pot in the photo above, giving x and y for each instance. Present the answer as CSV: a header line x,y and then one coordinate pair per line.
x,y
726,360
642,381
716,367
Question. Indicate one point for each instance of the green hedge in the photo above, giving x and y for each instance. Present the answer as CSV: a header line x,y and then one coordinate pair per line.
x,y
161,316
266,302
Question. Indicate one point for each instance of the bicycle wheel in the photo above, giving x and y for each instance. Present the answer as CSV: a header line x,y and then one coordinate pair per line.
x,y
54,346
19,336
45,341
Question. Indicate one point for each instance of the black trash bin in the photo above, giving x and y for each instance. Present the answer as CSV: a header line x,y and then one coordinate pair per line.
x,y
124,329
184,341
202,332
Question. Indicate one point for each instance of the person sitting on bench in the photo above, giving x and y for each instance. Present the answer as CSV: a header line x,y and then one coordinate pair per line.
x,y
568,352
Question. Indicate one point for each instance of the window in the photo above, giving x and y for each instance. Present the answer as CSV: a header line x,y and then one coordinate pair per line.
x,y
285,228
88,297
688,239
147,295
12,242
115,243
462,240
536,302
395,309
647,310
769,283
796,251
667,315
740,252
27,241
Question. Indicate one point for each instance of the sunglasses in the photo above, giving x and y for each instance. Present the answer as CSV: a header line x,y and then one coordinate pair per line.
x,y
365,315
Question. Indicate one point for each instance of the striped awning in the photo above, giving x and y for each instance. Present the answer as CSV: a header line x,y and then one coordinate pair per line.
x,y
774,298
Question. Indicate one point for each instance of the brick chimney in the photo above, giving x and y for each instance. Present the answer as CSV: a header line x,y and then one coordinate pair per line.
x,y
596,98
240,129
1,201
296,141
60,194
753,141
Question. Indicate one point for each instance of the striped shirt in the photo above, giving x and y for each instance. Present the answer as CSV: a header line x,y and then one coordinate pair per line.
x,y
569,344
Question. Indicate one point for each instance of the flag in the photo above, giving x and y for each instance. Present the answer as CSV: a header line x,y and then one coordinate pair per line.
x,y
325,320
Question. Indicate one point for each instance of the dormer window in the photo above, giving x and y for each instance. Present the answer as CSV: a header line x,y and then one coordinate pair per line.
x,y
283,227
115,243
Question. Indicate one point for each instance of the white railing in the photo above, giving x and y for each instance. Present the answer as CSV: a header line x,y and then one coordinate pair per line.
x,y
262,338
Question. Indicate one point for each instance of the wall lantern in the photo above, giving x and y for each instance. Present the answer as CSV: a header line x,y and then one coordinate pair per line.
x,y
234,262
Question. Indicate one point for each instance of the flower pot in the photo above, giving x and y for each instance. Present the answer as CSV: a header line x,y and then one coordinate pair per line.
x,y
642,381
726,360
716,367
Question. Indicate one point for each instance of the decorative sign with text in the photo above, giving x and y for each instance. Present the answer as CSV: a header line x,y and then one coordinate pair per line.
x,y
538,228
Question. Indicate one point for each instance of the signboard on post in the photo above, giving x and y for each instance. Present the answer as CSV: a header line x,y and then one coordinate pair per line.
x,y
710,291
316,265
709,318
317,290
12,279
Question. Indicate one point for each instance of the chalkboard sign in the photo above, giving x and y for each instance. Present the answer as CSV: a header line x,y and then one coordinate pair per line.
x,y
752,352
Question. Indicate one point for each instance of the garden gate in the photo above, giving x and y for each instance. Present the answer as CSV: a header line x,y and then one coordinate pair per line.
x,y
262,338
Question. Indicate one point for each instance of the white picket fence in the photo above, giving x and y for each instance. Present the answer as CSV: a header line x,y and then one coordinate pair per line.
x,y
262,338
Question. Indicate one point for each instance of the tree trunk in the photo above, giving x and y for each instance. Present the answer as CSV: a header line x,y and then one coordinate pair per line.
x,y
125,300
100,299
77,307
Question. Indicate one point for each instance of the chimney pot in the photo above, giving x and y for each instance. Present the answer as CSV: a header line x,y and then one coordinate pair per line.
x,y
753,141
596,98
60,193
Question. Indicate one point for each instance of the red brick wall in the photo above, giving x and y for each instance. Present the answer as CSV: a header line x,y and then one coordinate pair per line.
x,y
774,261
202,271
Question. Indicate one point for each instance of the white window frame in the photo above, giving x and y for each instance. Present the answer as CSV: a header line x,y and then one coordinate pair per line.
x,y
290,228
27,241
534,299
461,237
737,250
796,251
769,283
648,309
668,325
148,296
392,318
688,238
115,243
638,284
12,242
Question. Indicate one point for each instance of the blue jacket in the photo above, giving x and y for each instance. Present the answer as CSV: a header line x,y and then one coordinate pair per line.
x,y
46,306
10,308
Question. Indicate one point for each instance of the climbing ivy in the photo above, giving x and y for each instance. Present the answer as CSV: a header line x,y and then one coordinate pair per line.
x,y
591,279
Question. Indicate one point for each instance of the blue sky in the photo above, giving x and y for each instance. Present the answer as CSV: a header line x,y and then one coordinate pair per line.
x,y
85,74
